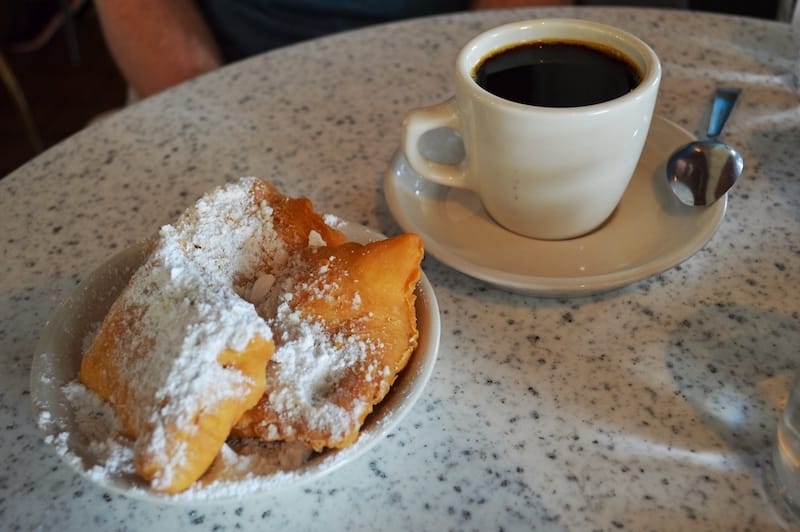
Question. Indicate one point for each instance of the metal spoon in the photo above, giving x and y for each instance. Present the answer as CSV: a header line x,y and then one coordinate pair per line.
x,y
702,171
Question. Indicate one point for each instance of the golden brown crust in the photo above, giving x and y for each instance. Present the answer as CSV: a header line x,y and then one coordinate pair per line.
x,y
358,299
358,293
180,356
294,219
197,448
188,451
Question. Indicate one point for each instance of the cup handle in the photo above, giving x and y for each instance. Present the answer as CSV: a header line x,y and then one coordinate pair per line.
x,y
419,121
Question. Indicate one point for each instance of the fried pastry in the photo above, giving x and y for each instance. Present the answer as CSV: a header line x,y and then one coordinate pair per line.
x,y
252,317
345,325
182,353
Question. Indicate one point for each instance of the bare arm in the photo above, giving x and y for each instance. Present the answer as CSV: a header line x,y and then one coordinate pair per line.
x,y
157,43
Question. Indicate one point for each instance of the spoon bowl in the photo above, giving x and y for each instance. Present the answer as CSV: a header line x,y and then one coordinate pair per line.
x,y
703,171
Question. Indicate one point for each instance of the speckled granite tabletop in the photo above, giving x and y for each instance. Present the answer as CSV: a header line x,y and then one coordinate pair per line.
x,y
652,407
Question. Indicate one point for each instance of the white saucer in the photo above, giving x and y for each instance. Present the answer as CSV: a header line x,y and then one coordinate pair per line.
x,y
649,232
57,358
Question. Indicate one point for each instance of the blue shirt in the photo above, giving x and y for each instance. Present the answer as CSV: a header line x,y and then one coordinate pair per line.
x,y
247,27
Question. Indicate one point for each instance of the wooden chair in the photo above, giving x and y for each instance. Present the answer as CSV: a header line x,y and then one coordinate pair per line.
x,y
21,103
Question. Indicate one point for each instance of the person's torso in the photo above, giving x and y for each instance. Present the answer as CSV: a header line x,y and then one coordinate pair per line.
x,y
247,27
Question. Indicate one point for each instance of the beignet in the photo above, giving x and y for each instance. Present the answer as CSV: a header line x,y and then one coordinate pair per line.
x,y
344,325
252,317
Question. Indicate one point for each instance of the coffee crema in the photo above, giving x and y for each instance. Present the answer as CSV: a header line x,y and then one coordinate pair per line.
x,y
557,73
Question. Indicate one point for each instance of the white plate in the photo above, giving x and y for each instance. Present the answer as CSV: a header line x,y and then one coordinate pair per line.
x,y
649,232
57,360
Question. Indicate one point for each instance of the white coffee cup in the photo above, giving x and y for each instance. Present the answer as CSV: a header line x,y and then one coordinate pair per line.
x,y
543,172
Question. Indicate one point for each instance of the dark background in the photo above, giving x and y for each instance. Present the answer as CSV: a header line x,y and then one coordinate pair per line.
x,y
71,79
64,91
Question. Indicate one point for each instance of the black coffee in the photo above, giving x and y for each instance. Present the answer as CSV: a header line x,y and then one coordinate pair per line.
x,y
557,74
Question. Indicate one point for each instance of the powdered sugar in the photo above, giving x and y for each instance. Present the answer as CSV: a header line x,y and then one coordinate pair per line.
x,y
315,239
230,236
198,279
95,433
308,366
334,221
188,309
315,361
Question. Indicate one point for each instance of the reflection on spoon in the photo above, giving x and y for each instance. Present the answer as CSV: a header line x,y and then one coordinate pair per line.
x,y
703,171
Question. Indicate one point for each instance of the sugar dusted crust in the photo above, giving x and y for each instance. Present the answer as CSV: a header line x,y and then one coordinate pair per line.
x,y
345,326
180,354
252,311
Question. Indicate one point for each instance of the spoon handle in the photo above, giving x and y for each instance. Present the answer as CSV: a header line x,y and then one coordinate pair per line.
x,y
724,100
